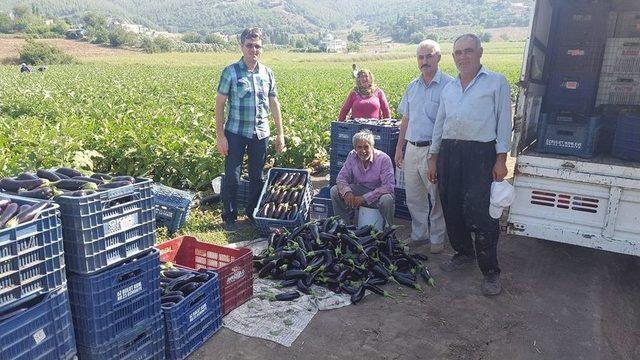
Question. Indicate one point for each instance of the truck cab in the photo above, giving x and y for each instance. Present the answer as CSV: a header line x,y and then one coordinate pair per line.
x,y
577,126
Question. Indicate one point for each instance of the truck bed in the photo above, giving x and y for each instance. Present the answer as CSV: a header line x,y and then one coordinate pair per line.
x,y
598,159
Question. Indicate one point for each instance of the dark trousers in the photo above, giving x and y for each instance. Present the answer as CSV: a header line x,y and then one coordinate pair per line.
x,y
464,178
256,153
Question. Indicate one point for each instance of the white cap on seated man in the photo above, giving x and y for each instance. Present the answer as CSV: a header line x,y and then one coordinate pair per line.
x,y
366,179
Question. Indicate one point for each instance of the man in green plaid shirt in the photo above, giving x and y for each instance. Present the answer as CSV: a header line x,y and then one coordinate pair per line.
x,y
247,90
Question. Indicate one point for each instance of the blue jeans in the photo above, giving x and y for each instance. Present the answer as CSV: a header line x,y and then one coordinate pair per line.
x,y
256,150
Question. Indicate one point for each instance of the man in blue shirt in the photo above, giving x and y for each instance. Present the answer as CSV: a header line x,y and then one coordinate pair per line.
x,y
248,91
471,139
419,107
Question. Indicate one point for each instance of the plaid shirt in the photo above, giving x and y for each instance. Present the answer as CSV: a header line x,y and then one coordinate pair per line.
x,y
248,95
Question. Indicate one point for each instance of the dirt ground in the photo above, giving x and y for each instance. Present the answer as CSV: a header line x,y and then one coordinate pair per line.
x,y
559,302
10,48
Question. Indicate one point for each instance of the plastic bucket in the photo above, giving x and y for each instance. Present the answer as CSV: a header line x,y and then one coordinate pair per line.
x,y
370,216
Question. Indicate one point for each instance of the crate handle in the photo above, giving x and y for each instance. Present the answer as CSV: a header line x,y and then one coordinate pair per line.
x,y
121,199
138,339
197,299
120,192
129,275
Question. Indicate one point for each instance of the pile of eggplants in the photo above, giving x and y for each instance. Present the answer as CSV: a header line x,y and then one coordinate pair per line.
x,y
47,184
177,283
342,258
12,214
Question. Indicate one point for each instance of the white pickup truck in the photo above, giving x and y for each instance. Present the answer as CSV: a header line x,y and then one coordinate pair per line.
x,y
592,202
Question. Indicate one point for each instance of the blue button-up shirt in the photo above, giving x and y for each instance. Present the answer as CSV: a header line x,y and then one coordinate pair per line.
x,y
420,103
481,112
248,95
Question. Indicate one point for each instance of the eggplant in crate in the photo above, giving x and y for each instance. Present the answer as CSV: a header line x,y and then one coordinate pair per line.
x,y
285,199
192,308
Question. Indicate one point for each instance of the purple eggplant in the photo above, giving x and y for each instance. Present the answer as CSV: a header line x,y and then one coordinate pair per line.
x,y
15,185
49,175
40,193
69,172
32,212
9,212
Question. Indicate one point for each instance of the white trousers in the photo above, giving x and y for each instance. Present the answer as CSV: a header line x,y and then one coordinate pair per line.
x,y
427,219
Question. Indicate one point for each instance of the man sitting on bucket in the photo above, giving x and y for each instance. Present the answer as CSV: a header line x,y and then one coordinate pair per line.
x,y
366,179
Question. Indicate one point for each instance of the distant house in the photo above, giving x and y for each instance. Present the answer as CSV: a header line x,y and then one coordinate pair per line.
x,y
333,45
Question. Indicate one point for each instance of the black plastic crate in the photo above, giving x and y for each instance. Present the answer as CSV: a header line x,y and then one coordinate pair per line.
x,y
626,143
31,255
115,300
568,133
193,320
572,92
578,20
242,194
144,341
585,56
38,328
106,227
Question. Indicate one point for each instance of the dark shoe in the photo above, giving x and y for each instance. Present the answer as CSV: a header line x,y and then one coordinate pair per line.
x,y
457,262
251,219
491,285
230,226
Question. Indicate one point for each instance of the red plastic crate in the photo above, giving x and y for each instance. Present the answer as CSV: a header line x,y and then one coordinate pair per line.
x,y
234,266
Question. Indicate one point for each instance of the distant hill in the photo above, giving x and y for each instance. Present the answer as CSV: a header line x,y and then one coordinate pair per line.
x,y
293,16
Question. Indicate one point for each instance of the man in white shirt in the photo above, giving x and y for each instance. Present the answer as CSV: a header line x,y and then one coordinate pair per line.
x,y
471,139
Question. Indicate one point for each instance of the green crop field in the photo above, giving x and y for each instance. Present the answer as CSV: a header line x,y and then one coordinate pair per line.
x,y
153,115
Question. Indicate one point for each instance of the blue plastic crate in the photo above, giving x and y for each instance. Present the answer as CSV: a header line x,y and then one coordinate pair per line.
x,y
341,149
143,342
31,255
572,92
106,227
343,131
577,20
321,205
626,143
265,225
172,206
112,301
567,133
194,320
42,331
584,56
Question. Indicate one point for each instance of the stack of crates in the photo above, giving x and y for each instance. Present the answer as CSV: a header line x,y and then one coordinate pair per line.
x,y
35,317
567,126
114,272
619,88
386,134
